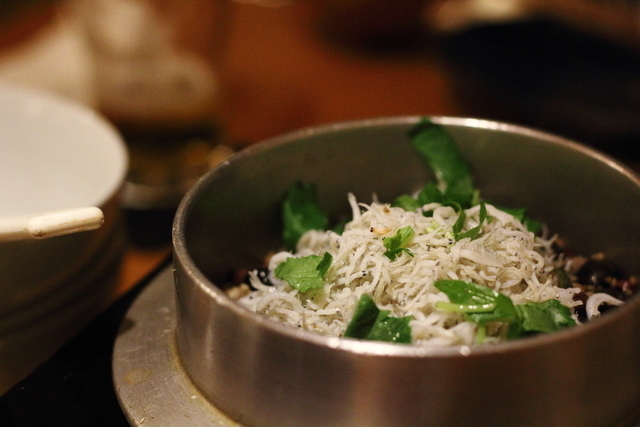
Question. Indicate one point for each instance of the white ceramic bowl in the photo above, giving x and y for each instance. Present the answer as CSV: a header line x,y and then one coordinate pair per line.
x,y
56,154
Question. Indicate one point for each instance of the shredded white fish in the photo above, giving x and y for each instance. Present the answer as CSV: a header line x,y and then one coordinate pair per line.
x,y
505,257
596,300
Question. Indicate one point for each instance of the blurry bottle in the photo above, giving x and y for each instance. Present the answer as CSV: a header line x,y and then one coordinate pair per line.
x,y
157,79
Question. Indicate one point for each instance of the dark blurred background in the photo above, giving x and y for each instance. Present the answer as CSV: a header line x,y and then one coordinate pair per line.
x,y
566,66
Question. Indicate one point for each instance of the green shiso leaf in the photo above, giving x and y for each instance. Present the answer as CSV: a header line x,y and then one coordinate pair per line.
x,y
371,323
304,273
301,213
397,243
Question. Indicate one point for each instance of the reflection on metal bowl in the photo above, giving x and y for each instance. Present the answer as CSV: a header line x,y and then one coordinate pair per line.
x,y
262,373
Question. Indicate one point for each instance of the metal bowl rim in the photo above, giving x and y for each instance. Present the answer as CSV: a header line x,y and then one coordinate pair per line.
x,y
372,348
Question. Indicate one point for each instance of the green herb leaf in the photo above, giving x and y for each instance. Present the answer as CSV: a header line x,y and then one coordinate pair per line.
x,y
521,215
465,293
301,213
397,244
483,305
430,193
547,316
406,202
470,294
474,232
339,227
304,273
371,323
504,312
441,154
532,225
363,318
464,308
391,329
439,151
564,280
459,224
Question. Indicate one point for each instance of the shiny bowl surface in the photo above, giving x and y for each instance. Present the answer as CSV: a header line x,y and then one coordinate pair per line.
x,y
263,373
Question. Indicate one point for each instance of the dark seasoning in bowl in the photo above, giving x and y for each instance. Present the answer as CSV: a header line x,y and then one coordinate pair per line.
x,y
264,373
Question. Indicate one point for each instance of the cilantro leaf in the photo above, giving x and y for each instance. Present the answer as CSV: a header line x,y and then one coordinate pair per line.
x,y
304,273
371,323
397,244
301,213
439,151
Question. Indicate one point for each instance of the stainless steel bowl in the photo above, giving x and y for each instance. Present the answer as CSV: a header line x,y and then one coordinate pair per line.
x,y
262,373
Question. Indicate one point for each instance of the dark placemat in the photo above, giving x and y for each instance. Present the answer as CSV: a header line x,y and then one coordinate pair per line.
x,y
75,386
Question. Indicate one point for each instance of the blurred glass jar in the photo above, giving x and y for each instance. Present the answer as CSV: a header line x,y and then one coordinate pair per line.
x,y
156,69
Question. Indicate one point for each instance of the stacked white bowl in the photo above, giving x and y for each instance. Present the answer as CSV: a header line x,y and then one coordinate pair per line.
x,y
54,154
